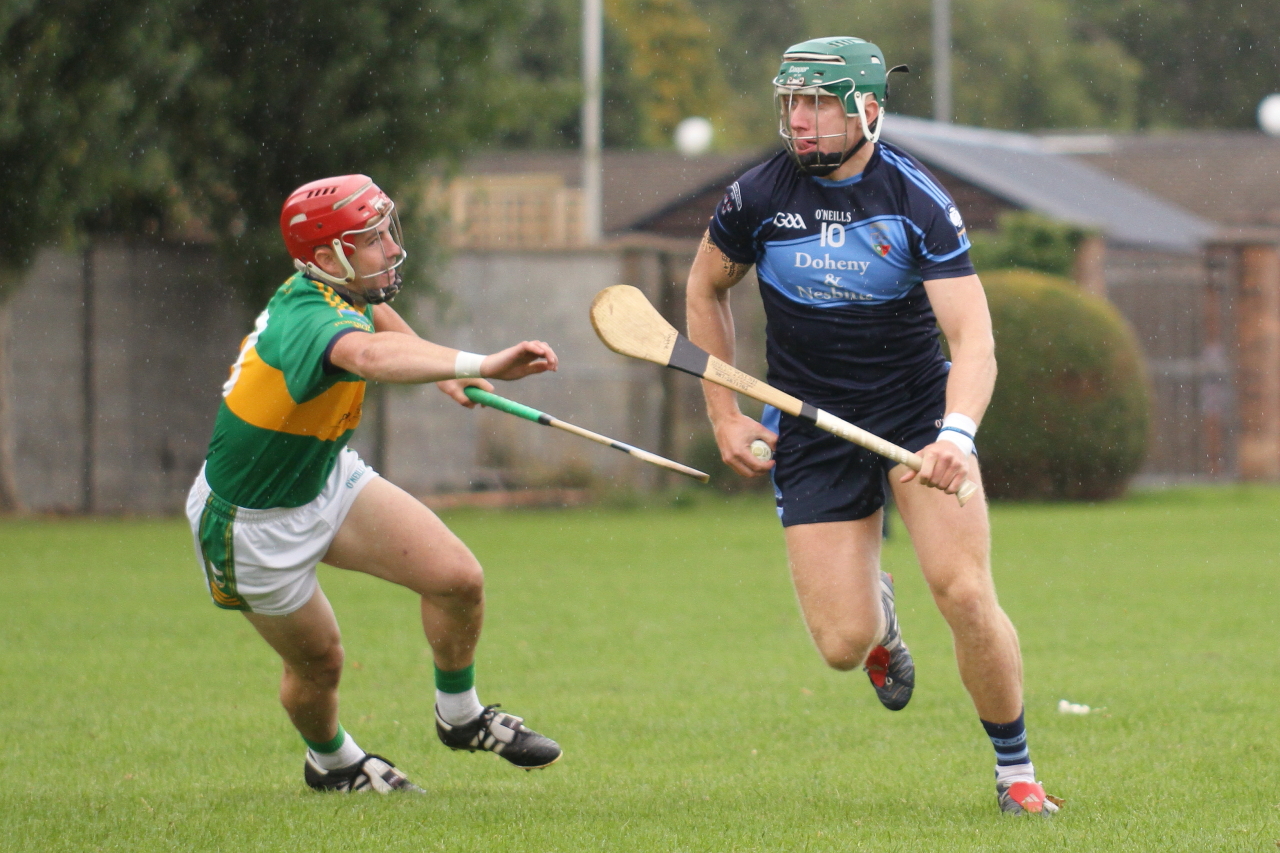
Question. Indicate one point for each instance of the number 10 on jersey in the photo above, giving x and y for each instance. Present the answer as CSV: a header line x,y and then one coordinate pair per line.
x,y
832,234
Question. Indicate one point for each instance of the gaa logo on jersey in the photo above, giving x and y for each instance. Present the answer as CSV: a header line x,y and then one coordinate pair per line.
x,y
788,220
880,241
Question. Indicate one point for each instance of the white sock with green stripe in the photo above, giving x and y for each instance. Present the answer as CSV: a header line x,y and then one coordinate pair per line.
x,y
341,751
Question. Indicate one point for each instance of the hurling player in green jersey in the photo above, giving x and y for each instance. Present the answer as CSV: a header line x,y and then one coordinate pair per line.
x,y
280,491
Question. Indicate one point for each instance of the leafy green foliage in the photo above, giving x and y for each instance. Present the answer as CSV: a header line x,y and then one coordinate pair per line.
x,y
1070,415
76,131
673,63
1026,240
150,115
1096,63
535,94
661,65
290,91
750,37
1205,63
170,116
1015,65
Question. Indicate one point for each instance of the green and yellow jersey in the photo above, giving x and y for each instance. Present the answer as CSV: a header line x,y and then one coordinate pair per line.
x,y
286,414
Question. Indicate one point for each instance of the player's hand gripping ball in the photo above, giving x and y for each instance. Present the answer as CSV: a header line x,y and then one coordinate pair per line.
x,y
760,450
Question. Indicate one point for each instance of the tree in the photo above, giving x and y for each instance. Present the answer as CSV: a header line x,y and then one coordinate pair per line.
x,y
536,88
73,130
1016,64
660,65
1207,63
73,138
673,63
144,116
1027,241
750,37
288,91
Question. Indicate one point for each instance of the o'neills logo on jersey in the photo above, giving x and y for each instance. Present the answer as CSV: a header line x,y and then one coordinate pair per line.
x,y
806,261
833,216
732,199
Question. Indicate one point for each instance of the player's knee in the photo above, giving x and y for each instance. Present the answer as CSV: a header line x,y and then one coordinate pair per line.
x,y
462,585
323,668
963,601
328,667
845,649
468,591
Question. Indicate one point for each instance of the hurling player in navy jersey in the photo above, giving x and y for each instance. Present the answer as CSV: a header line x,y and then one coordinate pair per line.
x,y
861,256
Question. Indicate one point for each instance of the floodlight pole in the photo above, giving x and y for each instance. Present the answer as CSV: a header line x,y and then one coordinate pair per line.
x,y
942,61
592,59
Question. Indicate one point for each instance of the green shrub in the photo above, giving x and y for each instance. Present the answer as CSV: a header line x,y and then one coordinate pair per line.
x,y
1027,240
1070,415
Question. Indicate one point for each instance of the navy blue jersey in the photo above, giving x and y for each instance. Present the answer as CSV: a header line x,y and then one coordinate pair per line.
x,y
841,266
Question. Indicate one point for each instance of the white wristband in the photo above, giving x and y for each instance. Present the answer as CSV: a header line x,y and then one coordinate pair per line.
x,y
467,365
960,430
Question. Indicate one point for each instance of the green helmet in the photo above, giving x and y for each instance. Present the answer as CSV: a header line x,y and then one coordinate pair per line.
x,y
841,66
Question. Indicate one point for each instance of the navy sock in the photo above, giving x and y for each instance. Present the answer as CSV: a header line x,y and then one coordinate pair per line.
x,y
1009,740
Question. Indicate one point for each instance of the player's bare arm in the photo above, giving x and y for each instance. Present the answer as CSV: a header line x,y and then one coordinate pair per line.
x,y
387,319
408,359
960,304
711,327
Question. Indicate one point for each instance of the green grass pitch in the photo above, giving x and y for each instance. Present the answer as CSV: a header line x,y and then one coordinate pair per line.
x,y
662,647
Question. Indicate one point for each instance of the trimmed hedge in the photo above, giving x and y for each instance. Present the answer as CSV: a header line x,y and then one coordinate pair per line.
x,y
1070,415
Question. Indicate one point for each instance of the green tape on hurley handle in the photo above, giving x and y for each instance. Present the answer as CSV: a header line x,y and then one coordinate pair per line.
x,y
511,407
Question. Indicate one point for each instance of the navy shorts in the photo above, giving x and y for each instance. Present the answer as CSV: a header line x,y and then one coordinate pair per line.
x,y
819,477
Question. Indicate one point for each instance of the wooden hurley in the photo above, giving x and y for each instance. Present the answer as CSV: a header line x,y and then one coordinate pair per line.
x,y
511,407
627,324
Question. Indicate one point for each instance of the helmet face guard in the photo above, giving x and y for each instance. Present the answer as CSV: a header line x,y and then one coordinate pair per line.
x,y
341,213
792,99
844,68
345,245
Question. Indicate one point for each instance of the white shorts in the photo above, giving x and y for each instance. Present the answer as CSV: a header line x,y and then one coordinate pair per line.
x,y
264,560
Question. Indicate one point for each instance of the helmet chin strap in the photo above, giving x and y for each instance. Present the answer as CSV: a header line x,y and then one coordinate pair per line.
x,y
373,297
820,165
311,270
385,294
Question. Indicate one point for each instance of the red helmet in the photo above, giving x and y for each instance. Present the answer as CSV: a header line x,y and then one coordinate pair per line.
x,y
327,213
